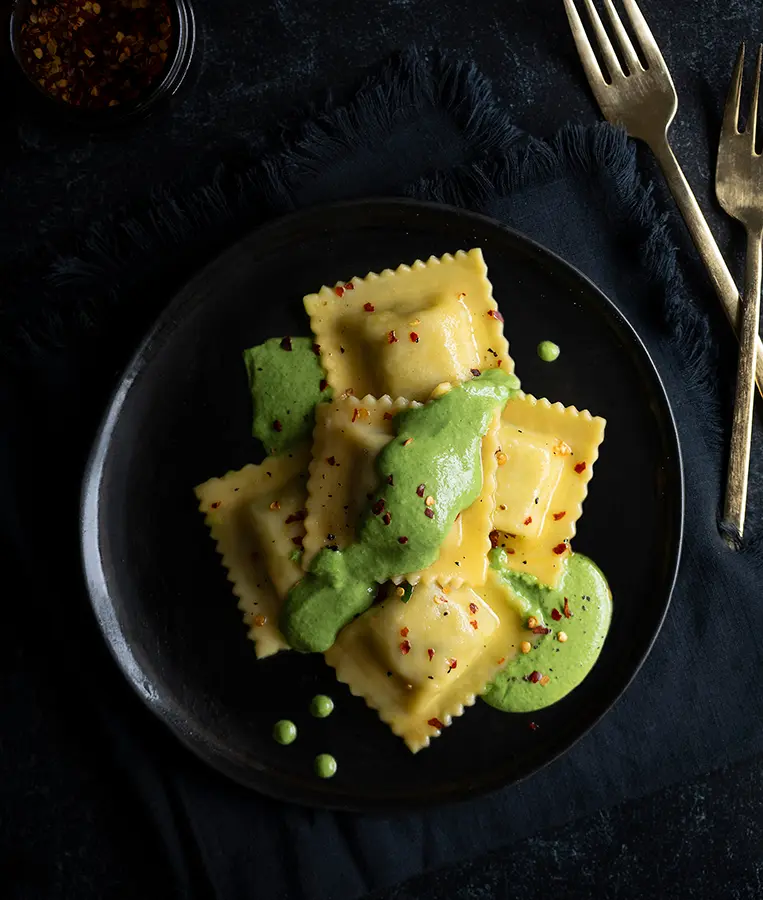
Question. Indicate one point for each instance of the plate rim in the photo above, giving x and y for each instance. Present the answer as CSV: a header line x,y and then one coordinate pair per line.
x,y
164,324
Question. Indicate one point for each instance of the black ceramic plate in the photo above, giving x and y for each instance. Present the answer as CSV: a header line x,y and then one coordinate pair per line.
x,y
182,414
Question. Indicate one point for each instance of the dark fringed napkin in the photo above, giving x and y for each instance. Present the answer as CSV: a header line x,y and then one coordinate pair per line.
x,y
91,777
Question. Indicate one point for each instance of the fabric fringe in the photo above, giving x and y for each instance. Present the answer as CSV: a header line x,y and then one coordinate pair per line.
x,y
134,260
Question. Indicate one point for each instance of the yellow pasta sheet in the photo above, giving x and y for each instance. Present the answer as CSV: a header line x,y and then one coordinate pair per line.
x,y
420,663
256,517
403,332
546,457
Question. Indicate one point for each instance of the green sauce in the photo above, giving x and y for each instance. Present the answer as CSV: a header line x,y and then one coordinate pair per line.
x,y
548,351
321,706
325,766
285,385
437,446
285,732
565,663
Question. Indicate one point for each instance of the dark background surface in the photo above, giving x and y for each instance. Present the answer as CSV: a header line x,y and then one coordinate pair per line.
x,y
264,60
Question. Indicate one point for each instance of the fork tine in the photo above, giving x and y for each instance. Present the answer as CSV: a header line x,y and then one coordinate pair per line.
x,y
644,35
632,61
752,119
585,51
731,109
605,44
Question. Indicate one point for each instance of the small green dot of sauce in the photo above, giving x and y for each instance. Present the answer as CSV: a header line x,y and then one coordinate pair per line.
x,y
325,765
321,706
548,351
285,732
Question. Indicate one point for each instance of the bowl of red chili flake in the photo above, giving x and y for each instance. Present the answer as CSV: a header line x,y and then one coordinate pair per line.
x,y
104,58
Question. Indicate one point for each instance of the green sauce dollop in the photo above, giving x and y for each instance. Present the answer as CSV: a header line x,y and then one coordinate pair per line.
x,y
325,765
566,663
439,446
548,351
285,732
321,706
285,385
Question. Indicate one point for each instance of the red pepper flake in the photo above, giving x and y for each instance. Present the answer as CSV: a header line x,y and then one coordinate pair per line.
x,y
502,660
429,513
369,307
495,314
435,723
420,490
94,61
297,541
495,538
473,609
349,286
323,385
528,520
216,504
387,416
405,648
414,337
389,480
475,372
402,540
474,624
560,515
407,441
499,363
580,467
534,726
510,550
452,663
378,508
277,426
386,518
355,413
317,349
556,615
331,460
559,549
286,344
339,291
533,677
430,654
539,629
391,337
403,632
567,613
299,516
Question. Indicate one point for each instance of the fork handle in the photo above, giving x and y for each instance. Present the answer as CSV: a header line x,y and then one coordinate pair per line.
x,y
705,243
741,430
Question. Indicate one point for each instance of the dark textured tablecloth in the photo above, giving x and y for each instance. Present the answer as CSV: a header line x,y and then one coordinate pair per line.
x,y
99,801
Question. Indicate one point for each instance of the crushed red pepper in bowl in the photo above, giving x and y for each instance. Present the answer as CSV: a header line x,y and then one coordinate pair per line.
x,y
94,54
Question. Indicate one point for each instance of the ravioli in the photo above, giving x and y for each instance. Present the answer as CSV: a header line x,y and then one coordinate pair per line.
x,y
403,332
546,457
420,663
256,517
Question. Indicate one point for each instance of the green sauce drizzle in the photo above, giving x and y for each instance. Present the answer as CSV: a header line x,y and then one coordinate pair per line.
x,y
517,688
439,446
285,379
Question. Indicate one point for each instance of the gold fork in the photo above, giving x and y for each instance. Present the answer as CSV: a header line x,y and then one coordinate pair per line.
x,y
739,186
643,100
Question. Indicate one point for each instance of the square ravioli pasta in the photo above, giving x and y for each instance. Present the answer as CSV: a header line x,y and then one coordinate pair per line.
x,y
256,517
419,662
545,461
348,436
402,333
